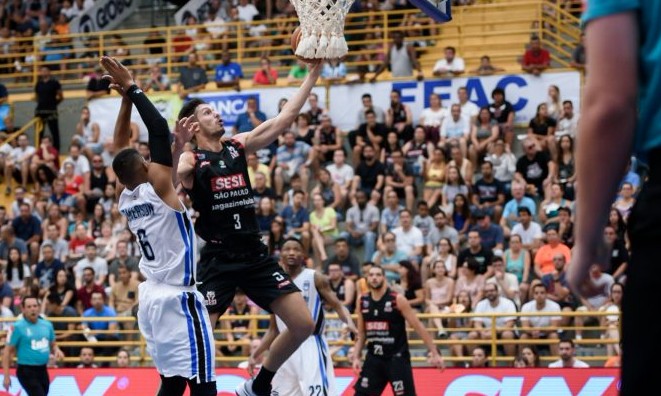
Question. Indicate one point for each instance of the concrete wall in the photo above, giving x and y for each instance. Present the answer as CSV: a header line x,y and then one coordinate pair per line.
x,y
69,111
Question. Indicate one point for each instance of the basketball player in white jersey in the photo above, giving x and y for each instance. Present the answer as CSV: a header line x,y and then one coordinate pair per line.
x,y
171,313
309,370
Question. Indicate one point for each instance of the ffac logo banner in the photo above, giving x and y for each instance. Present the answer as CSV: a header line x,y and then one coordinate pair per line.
x,y
428,382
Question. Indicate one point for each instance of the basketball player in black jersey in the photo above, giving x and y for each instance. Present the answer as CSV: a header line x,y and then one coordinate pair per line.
x,y
382,317
215,176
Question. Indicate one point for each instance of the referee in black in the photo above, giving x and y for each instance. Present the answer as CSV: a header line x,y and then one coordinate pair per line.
x,y
33,340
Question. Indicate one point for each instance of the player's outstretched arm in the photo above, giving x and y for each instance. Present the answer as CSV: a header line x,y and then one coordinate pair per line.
x,y
268,131
160,169
323,286
122,133
407,312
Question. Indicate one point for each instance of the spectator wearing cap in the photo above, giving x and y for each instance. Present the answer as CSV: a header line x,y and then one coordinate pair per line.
x,y
536,59
475,250
508,284
529,231
510,216
502,112
491,234
546,254
488,193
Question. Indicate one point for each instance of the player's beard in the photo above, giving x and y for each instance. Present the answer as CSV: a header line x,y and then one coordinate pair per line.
x,y
377,287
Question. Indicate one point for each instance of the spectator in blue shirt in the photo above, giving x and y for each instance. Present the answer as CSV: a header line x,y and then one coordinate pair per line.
x,y
28,228
100,310
510,216
48,267
293,157
297,219
228,73
491,234
9,240
251,119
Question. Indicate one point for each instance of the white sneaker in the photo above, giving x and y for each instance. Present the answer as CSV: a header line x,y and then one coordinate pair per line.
x,y
245,389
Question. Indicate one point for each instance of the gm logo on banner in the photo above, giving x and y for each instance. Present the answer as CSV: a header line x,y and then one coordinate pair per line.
x,y
228,106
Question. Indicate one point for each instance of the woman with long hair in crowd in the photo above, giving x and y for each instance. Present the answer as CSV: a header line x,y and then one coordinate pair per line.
x,y
265,215
16,271
54,217
276,238
410,285
434,177
323,226
330,192
484,133
64,288
454,185
98,218
390,145
439,292
616,220
105,243
517,262
443,252
548,208
529,356
566,166
541,129
463,305
470,280
554,103
461,215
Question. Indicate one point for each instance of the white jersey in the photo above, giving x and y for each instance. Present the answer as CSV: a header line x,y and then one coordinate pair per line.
x,y
165,235
305,282
309,370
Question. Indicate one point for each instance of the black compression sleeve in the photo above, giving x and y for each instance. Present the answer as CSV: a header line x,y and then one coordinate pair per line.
x,y
157,127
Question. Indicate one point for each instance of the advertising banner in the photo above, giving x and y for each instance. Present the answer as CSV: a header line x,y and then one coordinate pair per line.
x,y
103,15
104,112
428,382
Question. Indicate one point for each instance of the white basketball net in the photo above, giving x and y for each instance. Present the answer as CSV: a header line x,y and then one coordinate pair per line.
x,y
322,28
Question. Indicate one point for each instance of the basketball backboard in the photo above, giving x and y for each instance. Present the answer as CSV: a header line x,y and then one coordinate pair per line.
x,y
438,10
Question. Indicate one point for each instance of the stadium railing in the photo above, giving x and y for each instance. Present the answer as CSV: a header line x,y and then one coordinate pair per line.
x,y
499,29
592,342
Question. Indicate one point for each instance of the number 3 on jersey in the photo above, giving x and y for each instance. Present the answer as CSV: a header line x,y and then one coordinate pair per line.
x,y
146,248
237,221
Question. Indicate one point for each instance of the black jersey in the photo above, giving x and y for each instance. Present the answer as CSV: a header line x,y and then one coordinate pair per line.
x,y
385,327
223,196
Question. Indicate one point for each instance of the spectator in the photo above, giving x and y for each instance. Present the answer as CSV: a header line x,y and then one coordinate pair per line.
x,y
247,11
17,163
330,192
292,158
65,331
91,260
81,165
97,86
480,358
344,288
565,170
486,68
504,163
517,262
157,81
297,72
334,70
541,129
439,292
546,255
554,102
459,324
54,236
327,139
541,327
409,238
100,310
46,160
64,289
455,130
9,240
266,214
27,227
266,75
442,230
503,113
423,221
192,77
95,183
507,283
124,295
578,55
348,262
612,322
558,287
432,118
48,94
488,193
74,186
388,256
469,110
254,167
434,177
122,258
567,359
362,223
534,169
250,119
16,270
600,283
260,189
566,230
464,166
315,112
529,356
379,114
399,117
568,123
89,286
451,65
390,213
87,359
454,186
548,208
370,176
47,268
410,285
370,133
6,292
323,225
341,173
123,359
536,59
619,259
491,235
400,60
297,219
475,250
228,73
303,130
528,231
494,303
399,178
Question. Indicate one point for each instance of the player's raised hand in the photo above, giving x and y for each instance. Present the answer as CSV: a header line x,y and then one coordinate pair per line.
x,y
315,66
114,86
120,74
184,130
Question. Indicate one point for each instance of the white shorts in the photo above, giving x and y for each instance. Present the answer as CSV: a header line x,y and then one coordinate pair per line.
x,y
177,330
308,371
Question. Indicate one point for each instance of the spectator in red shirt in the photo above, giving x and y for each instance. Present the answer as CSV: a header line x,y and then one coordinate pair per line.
x,y
78,241
46,161
266,75
88,288
536,59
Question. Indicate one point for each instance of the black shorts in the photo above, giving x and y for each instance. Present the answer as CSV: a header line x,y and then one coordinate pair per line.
x,y
377,372
221,271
